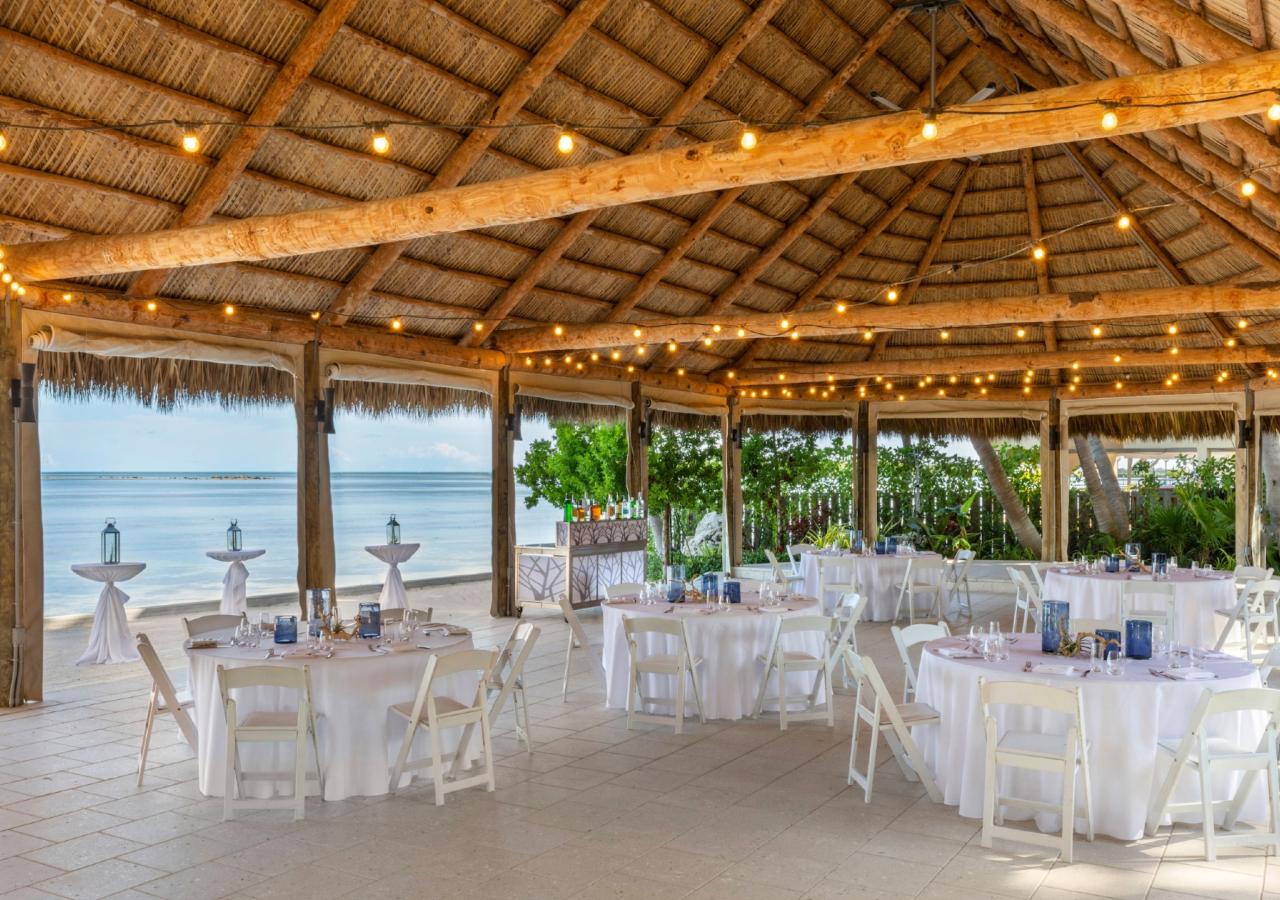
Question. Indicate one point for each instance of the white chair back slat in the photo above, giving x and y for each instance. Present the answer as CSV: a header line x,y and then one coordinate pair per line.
x,y
212,623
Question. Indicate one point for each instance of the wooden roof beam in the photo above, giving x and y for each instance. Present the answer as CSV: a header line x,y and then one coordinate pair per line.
x,y
1099,306
249,136
1044,117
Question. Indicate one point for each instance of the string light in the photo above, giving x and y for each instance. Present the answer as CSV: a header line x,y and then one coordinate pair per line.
x,y
866,335
1231,342
66,298
595,357
640,351
151,304
784,324
733,374
748,139
558,330
1123,221
315,315
1116,358
1242,324
715,328
706,342
528,360
396,325
742,332
379,142
1109,119
795,335
564,142
616,355
672,346
1273,111
229,309
1173,351
190,142
891,295
1172,329
944,334
478,326
1248,187
1096,331
929,128
1021,332
840,308
1038,252
4,142
679,371
637,332
567,359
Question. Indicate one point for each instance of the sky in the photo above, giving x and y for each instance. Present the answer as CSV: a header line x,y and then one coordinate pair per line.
x,y
101,436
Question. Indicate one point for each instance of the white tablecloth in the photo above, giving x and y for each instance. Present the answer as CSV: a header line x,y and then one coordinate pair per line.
x,y
729,643
1125,716
880,578
393,595
353,693
110,641
234,590
1097,596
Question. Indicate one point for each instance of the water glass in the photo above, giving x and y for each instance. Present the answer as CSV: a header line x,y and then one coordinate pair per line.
x,y
1115,665
1158,644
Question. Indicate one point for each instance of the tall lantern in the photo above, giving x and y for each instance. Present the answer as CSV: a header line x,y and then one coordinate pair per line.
x,y
393,530
235,537
110,544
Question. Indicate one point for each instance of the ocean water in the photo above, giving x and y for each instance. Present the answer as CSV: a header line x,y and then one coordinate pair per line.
x,y
168,520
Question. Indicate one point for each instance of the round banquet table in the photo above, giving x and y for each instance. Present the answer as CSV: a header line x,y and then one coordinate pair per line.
x,y
1096,595
110,641
235,582
393,595
728,641
1125,716
353,692
880,578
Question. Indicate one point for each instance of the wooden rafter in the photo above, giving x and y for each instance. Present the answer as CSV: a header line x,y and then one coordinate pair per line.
x,y
315,40
720,63
502,112
863,144
1036,230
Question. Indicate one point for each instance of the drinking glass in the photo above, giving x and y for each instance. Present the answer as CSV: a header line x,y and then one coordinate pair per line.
x,y
1173,564
1158,640
1116,664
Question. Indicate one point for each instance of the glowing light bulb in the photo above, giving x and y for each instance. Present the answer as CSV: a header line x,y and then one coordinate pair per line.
x,y
528,360
1248,187
1123,222
929,128
4,142
1273,111
748,139
706,342
595,357
715,328
795,335
1096,331
315,315
840,308
558,330
1110,120
1242,324
1038,252
379,143
396,325
672,347
564,143
616,355
229,309
891,295
1172,329
742,332
866,335
1021,332
151,304
478,326
190,142
945,335
636,333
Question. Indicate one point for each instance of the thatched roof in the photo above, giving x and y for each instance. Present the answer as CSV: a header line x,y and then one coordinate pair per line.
x,y
70,63
993,428
1157,426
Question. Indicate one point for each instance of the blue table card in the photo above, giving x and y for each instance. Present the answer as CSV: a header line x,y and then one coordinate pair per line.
x,y
1137,638
1111,636
286,630
370,621
1055,621
733,591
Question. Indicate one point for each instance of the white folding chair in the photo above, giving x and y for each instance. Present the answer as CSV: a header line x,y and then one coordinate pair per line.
x,y
213,623
875,707
670,665
165,700
506,680
623,591
1151,600
1207,756
1257,608
577,641
282,726
794,552
844,633
1245,574
957,578
922,577
433,710
906,638
1026,602
835,575
1062,754
1269,664
781,575
784,661
389,616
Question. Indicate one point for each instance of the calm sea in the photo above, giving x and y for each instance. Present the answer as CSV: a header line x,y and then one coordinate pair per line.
x,y
168,520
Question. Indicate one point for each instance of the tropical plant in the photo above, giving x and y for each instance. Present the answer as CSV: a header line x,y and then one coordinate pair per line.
x,y
834,536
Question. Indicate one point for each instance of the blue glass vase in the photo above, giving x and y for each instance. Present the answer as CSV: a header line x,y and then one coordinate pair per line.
x,y
880,548
733,591
1055,620
370,621
286,630
1111,637
893,546
710,586
1113,564
1137,638
1160,563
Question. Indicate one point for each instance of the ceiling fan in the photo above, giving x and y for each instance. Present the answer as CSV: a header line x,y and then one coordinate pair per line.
x,y
983,93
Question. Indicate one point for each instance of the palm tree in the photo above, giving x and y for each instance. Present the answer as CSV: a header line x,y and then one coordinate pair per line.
x,y
1116,499
1023,528
1093,482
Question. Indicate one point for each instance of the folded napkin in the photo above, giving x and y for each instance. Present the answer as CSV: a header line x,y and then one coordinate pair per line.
x,y
201,644
451,630
1187,674
1054,669
958,653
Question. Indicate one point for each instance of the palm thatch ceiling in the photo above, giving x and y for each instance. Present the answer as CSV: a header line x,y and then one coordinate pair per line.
x,y
958,229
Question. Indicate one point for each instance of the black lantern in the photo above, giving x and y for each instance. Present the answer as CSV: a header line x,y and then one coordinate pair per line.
x,y
110,544
235,537
393,530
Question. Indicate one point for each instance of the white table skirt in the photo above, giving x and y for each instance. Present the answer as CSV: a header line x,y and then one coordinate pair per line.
x,y
353,693
393,594
1125,716
110,641
729,643
1097,596
235,582
879,576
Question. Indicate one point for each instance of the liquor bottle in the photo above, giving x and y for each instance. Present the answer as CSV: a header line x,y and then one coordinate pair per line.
x,y
595,510
625,512
568,510
611,508
640,507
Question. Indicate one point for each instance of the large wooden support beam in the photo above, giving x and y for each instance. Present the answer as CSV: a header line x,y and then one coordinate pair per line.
x,y
253,131
502,602
316,560
504,110
1214,91
1032,360
10,602
731,473
1025,309
637,446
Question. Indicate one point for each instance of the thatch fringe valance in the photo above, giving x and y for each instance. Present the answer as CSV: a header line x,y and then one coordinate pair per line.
x,y
569,411
992,428
379,399
1156,426
825,425
160,383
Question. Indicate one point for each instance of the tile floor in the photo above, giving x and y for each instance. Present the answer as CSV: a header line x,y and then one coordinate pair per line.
x,y
728,810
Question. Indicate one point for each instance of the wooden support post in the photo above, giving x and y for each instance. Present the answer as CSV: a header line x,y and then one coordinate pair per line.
x,y
731,470
316,567
1249,542
1052,502
9,543
504,495
637,447
867,432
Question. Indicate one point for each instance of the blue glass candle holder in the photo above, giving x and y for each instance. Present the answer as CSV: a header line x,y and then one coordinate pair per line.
x,y
1111,637
710,586
1137,638
675,590
880,548
1160,563
892,548
1113,564
733,591
370,621
1055,620
286,630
